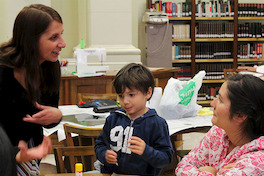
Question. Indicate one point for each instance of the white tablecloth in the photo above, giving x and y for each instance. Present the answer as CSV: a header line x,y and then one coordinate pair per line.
x,y
87,114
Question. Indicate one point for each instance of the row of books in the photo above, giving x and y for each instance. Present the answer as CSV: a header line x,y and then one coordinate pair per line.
x,y
214,30
215,8
181,9
211,8
213,50
250,9
250,50
219,30
208,92
213,71
181,52
250,30
218,51
185,72
181,31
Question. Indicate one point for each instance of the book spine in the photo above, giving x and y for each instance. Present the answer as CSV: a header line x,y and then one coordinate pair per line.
x,y
164,7
177,52
174,9
173,52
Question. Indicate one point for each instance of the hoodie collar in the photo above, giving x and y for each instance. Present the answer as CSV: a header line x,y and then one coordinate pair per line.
x,y
149,113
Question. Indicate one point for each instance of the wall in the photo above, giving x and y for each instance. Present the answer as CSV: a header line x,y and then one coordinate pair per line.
x,y
68,9
72,11
8,12
3,22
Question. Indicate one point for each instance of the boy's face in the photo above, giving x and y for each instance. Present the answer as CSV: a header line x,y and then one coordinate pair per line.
x,y
134,101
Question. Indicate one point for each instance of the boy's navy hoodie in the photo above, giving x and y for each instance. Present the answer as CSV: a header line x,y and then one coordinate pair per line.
x,y
116,133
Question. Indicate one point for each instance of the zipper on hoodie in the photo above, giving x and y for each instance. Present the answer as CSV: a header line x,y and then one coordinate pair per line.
x,y
131,124
119,157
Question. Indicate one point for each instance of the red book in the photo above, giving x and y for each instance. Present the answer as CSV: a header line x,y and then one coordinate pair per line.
x,y
212,92
170,9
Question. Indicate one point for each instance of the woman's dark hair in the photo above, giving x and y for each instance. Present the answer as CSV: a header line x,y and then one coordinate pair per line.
x,y
134,76
246,93
22,51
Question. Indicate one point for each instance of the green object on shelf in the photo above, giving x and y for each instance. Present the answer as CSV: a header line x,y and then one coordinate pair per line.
x,y
82,44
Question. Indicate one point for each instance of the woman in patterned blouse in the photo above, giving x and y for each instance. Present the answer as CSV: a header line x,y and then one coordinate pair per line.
x,y
235,144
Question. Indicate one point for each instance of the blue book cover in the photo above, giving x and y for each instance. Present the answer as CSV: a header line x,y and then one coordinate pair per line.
x,y
177,52
164,7
173,9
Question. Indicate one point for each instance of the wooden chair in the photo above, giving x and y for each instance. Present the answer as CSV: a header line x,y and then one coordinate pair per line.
x,y
72,152
86,137
229,72
83,133
177,141
85,97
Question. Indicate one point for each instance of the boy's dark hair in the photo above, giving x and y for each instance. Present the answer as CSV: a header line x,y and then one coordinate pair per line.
x,y
246,94
134,76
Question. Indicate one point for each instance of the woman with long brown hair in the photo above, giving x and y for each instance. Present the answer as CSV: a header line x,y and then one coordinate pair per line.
x,y
30,75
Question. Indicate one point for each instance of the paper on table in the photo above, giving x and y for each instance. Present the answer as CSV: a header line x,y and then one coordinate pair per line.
x,y
81,114
190,122
74,110
49,131
81,75
206,111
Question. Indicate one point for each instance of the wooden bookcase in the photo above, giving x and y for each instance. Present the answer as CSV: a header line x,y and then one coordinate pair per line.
x,y
234,41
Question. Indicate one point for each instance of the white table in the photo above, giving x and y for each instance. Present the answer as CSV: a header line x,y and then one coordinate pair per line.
x,y
74,115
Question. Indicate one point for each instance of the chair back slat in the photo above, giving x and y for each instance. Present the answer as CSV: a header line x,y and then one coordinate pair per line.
x,y
73,152
86,137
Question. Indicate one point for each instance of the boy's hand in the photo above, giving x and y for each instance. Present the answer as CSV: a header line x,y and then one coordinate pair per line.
x,y
137,145
111,156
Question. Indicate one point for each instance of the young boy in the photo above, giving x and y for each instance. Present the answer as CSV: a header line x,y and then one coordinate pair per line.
x,y
134,140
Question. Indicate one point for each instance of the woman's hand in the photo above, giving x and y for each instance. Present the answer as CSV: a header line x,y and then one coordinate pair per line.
x,y
46,116
38,152
137,145
229,166
208,169
111,157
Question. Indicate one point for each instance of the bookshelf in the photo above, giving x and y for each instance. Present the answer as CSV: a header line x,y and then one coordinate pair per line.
x,y
235,42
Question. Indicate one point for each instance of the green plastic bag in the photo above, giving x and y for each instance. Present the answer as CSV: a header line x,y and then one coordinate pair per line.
x,y
186,93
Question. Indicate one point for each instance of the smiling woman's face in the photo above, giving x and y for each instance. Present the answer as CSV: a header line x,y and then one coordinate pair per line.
x,y
51,42
221,105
